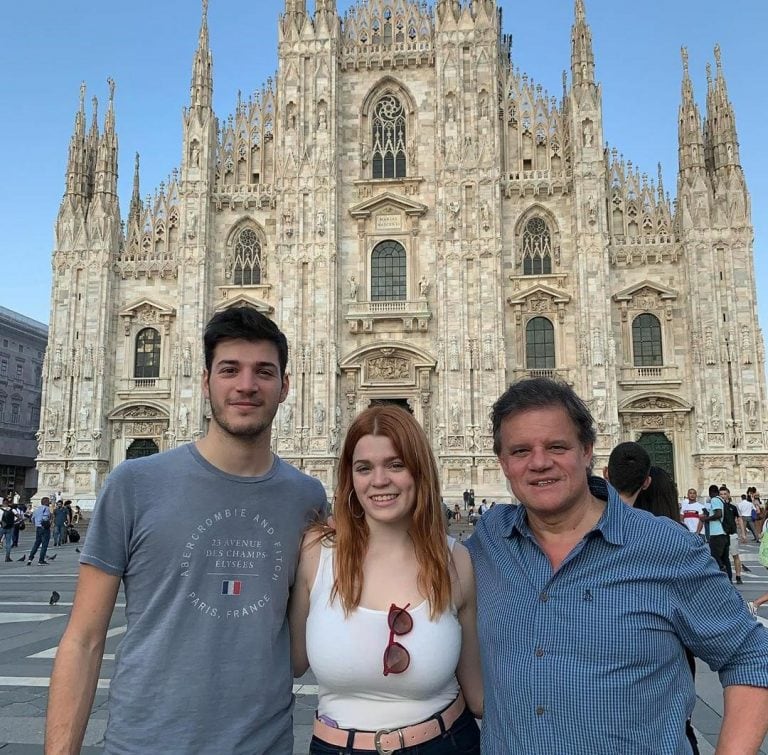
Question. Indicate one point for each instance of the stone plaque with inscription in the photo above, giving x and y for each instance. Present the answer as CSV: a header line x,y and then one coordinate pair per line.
x,y
389,222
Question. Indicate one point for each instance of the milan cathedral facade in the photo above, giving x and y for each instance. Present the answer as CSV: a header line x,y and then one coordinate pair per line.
x,y
426,225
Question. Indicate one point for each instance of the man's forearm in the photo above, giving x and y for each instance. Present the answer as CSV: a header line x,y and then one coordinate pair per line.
x,y
745,720
73,686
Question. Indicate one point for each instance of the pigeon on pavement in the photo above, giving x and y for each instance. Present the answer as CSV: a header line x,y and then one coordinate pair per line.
x,y
54,598
53,557
23,558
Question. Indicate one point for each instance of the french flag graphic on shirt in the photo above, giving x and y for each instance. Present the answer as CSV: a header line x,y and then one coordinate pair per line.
x,y
231,587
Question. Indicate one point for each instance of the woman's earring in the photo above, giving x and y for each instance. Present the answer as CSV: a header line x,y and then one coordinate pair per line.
x,y
351,510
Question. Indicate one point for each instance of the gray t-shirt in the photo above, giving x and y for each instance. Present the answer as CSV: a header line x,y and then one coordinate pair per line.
x,y
207,560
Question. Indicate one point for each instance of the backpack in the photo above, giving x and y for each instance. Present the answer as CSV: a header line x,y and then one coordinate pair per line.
x,y
730,512
8,519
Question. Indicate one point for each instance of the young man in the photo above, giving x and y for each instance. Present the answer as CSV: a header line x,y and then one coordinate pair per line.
x,y
715,534
690,511
628,471
733,537
205,539
584,604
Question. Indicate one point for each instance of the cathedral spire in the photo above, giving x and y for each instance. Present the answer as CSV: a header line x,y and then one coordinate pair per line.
x,y
690,137
325,15
201,91
720,127
106,157
293,18
134,211
76,159
582,57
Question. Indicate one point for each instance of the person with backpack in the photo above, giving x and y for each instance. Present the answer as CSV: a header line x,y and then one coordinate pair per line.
x,y
8,518
712,516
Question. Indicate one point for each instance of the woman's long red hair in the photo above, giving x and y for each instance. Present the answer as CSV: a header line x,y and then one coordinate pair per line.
x,y
427,530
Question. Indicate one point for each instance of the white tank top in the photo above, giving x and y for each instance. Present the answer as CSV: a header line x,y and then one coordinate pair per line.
x,y
346,656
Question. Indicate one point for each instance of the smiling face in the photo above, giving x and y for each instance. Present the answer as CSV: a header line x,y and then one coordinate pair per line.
x,y
544,461
382,483
693,496
244,387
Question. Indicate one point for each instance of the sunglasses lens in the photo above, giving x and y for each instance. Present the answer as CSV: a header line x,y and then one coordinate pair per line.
x,y
396,659
400,621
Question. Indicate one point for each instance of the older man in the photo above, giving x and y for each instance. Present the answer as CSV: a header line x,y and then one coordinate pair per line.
x,y
584,605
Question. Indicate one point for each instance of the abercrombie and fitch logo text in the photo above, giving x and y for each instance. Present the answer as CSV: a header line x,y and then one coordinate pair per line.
x,y
241,557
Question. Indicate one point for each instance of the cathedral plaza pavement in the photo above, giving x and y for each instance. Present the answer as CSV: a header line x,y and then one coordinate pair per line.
x,y
33,628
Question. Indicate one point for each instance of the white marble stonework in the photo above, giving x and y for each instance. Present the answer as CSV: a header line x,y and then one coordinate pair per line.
x,y
512,244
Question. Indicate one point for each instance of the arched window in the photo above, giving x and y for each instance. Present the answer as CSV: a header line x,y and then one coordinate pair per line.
x,y
147,362
247,267
388,272
539,344
388,140
646,341
537,248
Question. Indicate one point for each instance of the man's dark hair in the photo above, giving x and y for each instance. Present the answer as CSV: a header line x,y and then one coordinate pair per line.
x,y
542,393
628,467
724,488
247,324
714,491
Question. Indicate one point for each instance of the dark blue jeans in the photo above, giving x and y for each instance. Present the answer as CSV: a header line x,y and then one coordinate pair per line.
x,y
463,738
42,537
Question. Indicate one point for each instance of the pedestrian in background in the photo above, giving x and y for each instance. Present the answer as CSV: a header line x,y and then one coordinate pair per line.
x,y
6,522
41,518
60,516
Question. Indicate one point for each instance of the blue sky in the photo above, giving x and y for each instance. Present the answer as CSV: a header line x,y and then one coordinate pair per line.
x,y
47,47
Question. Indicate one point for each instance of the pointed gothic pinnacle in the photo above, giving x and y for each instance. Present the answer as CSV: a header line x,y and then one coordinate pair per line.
x,y
111,85
205,9
709,75
718,61
579,11
82,97
684,56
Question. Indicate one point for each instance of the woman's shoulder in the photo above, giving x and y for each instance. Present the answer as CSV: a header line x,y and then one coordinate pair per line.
x,y
312,547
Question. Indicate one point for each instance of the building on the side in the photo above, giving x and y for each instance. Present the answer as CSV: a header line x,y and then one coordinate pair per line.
x,y
426,225
22,348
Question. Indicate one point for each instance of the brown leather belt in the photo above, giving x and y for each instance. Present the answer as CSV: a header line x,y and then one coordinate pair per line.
x,y
386,741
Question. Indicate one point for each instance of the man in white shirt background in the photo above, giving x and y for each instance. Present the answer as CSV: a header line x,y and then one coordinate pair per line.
x,y
690,510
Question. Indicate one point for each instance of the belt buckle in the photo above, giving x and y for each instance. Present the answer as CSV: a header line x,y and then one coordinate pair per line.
x,y
383,732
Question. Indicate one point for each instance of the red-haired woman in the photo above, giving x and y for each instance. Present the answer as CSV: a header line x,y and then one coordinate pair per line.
x,y
383,608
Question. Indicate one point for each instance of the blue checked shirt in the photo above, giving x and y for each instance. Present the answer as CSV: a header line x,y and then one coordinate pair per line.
x,y
590,660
